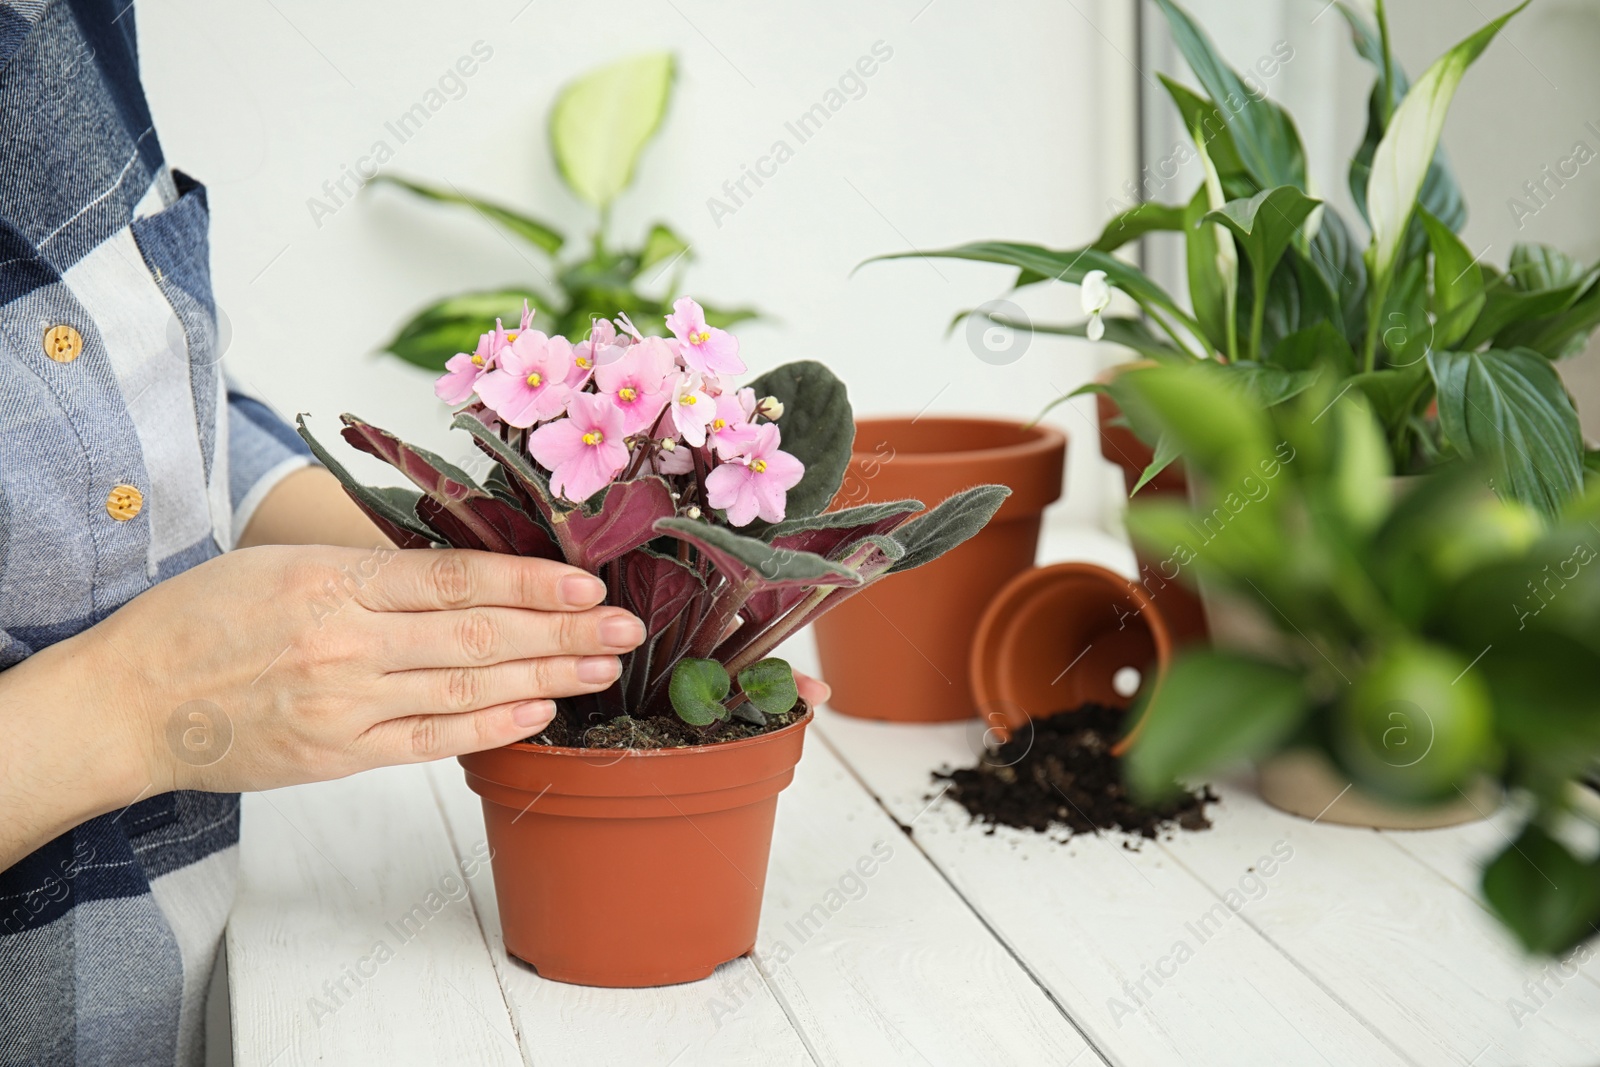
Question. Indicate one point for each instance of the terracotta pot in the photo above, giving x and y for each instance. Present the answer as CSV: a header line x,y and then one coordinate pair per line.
x,y
1304,782
1056,638
1185,617
625,867
900,649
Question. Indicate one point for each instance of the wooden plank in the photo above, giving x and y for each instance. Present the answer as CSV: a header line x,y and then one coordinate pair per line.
x,y
875,957
353,938
563,1024
1395,940
1121,939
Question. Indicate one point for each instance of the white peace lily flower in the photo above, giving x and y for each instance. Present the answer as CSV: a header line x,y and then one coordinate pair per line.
x,y
1096,295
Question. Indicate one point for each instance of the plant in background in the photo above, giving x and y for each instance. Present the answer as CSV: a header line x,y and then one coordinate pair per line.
x,y
1421,639
1283,295
599,126
634,458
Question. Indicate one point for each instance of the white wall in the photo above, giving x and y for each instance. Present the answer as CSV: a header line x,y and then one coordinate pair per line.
x,y
1006,119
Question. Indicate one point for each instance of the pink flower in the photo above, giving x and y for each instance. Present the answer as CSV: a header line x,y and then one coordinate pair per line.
x,y
692,409
601,347
528,384
628,327
679,461
757,483
636,382
730,430
462,371
584,451
703,348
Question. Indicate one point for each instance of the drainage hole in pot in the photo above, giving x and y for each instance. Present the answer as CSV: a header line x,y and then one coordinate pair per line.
x,y
1126,681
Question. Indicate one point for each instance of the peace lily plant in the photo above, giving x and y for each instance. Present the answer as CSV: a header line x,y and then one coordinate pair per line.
x,y
1454,356
699,504
599,127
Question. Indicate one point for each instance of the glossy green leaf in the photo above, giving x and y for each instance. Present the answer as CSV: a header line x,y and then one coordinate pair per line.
x,y
1266,223
1163,456
1263,133
1212,275
1458,294
1212,708
1207,125
697,690
1404,154
1547,896
1336,256
454,325
1064,266
1510,408
1130,333
539,234
769,684
1136,222
1321,345
602,121
663,245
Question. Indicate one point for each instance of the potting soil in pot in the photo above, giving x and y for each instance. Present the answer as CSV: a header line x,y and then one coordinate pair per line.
x,y
1061,778
651,732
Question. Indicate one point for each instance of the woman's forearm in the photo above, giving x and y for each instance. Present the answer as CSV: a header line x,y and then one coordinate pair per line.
x,y
71,743
309,507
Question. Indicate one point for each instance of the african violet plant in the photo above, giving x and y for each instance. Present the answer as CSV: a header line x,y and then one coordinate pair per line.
x,y
599,126
1282,294
1421,638
699,504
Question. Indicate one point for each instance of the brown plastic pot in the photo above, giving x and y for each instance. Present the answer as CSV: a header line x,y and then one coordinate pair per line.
x,y
1186,617
900,649
1056,638
632,867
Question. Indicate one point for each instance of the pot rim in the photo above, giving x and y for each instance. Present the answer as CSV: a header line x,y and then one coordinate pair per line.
x,y
1049,439
573,751
985,665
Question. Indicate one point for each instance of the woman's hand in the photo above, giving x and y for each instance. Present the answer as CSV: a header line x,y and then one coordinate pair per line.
x,y
271,666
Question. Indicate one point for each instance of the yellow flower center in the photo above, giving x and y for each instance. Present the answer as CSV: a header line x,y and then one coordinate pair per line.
x,y
583,362
477,361
700,338
759,466
719,424
627,395
511,336
594,437
688,400
535,379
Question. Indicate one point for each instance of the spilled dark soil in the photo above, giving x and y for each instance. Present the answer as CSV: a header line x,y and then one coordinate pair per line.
x,y
1061,778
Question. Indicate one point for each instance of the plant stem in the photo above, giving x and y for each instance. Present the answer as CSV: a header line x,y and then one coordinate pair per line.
x,y
1387,104
1377,295
1258,315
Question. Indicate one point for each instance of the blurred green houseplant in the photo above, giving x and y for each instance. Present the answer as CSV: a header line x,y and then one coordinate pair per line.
x,y
1419,638
1283,294
599,126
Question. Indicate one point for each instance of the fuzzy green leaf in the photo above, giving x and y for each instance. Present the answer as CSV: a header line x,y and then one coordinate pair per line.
x,y
697,690
814,427
770,686
930,535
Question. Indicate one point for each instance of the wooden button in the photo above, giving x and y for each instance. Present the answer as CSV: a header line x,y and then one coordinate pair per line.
x,y
62,343
124,502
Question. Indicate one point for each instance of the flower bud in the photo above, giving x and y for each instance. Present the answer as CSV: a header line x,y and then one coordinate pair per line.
x,y
668,445
693,512
771,407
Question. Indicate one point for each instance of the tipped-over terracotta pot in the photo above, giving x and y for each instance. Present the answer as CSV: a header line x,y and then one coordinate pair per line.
x,y
1056,638
900,649
632,867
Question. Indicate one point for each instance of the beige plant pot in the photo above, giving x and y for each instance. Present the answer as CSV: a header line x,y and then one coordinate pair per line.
x,y
1304,782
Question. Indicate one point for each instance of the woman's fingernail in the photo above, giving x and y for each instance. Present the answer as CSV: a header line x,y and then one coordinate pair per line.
x,y
622,631
534,714
581,590
597,669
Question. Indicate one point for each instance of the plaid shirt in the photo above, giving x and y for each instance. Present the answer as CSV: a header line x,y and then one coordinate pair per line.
x,y
124,459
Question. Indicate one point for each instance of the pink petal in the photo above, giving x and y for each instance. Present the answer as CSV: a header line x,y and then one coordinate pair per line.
x,y
556,443
770,495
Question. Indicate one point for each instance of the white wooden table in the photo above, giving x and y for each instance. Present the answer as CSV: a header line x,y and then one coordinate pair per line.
x,y
962,948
